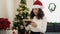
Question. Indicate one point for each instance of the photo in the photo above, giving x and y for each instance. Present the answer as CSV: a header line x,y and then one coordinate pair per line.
x,y
29,17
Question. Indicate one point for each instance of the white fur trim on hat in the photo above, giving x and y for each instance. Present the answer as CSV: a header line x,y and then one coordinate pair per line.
x,y
37,6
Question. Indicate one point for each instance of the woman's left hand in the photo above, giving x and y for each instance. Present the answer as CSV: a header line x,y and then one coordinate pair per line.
x,y
33,24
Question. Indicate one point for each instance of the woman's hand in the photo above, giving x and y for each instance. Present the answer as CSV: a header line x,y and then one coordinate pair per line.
x,y
33,24
24,24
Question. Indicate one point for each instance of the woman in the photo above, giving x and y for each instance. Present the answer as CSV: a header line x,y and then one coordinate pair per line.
x,y
38,23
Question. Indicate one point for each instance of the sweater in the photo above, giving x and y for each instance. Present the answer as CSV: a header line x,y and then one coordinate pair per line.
x,y
41,25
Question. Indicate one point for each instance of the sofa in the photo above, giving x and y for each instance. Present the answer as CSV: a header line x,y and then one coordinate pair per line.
x,y
53,27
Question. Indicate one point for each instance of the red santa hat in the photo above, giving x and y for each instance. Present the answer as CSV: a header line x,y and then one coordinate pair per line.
x,y
37,4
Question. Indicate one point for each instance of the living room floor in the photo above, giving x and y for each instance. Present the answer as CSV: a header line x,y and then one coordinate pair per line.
x,y
52,33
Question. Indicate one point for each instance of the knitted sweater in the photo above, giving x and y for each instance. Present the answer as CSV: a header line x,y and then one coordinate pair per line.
x,y
41,25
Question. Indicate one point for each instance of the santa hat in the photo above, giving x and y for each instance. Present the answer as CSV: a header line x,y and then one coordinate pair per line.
x,y
37,4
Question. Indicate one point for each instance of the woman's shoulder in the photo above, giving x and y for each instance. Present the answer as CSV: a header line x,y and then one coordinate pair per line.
x,y
44,18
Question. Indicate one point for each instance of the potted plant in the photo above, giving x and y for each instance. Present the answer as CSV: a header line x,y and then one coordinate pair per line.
x,y
4,25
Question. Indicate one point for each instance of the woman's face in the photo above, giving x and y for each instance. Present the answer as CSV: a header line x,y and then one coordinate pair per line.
x,y
35,11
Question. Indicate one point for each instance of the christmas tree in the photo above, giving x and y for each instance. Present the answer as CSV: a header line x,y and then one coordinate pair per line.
x,y
22,13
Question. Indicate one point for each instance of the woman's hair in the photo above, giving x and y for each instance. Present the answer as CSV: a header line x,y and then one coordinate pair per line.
x,y
40,14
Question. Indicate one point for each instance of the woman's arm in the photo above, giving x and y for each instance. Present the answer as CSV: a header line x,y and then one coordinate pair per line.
x,y
26,27
43,25
31,24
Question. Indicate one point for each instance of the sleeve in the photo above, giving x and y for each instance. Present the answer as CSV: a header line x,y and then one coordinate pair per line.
x,y
43,25
28,27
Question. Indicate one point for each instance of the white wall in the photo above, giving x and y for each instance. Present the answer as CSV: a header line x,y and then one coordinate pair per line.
x,y
8,9
54,16
3,8
51,17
